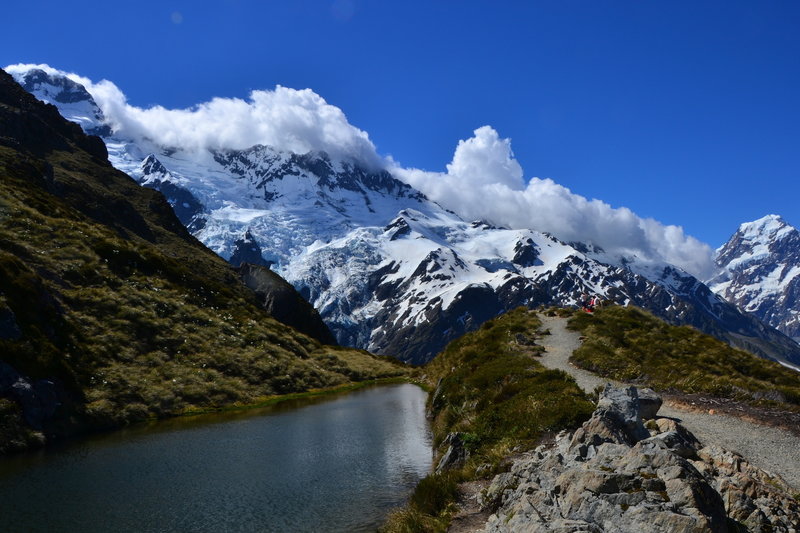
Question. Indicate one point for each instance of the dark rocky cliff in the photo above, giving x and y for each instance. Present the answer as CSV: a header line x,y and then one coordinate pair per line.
x,y
280,299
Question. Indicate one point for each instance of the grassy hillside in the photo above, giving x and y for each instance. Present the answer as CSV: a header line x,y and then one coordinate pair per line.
x,y
489,387
492,390
630,344
103,292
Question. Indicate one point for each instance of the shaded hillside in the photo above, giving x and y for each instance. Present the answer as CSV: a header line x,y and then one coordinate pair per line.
x,y
110,311
629,344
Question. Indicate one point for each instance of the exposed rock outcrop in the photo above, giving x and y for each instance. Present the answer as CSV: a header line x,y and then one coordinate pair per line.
x,y
614,475
456,454
284,303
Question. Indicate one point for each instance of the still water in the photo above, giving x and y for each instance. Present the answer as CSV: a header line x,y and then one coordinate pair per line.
x,y
337,465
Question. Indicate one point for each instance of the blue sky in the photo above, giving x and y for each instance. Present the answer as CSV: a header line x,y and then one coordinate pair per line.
x,y
684,111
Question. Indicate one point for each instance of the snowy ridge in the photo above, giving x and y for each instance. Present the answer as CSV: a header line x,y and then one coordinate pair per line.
x,y
759,269
388,269
73,101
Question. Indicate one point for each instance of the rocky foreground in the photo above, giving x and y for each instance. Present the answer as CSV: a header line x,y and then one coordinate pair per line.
x,y
619,474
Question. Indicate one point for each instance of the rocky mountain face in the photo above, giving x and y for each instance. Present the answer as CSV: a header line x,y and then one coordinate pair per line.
x,y
277,296
111,312
759,266
615,474
389,270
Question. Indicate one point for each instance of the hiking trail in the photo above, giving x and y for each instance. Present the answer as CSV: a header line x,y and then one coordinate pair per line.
x,y
772,449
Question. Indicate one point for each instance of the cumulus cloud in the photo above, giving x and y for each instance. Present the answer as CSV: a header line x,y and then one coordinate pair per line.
x,y
484,181
284,118
486,159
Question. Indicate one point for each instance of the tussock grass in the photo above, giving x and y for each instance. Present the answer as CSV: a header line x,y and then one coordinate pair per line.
x,y
629,344
492,388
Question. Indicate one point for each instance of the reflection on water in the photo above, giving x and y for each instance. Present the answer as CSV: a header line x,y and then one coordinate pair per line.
x,y
336,465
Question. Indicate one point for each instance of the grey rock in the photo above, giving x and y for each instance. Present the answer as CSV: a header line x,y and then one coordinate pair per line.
x,y
456,454
649,403
667,482
681,442
616,419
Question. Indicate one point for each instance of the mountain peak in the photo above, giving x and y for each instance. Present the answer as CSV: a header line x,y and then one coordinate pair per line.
x,y
74,102
760,272
151,165
60,88
769,227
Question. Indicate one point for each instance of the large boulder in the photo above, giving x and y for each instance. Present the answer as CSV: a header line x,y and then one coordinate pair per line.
x,y
617,419
649,403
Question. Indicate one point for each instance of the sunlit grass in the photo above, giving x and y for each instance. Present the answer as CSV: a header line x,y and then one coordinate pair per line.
x,y
630,344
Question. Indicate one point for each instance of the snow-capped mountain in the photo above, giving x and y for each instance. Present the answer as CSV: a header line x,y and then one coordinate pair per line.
x,y
388,269
72,99
761,272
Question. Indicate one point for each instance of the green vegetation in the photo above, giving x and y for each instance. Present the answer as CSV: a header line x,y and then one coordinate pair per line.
x,y
629,344
490,388
103,290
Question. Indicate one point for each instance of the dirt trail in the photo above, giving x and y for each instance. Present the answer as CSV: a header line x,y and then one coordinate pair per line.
x,y
772,449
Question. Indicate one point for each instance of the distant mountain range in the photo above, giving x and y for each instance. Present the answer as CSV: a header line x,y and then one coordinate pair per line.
x,y
388,269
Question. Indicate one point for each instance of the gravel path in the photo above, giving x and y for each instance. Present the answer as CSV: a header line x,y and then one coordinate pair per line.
x,y
771,449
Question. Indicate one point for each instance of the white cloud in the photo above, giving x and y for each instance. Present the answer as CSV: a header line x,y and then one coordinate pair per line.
x,y
284,118
486,159
484,181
